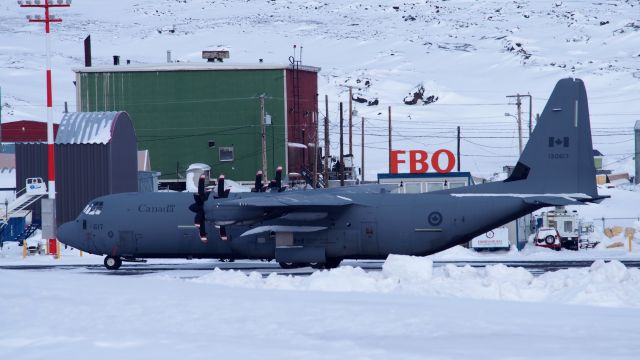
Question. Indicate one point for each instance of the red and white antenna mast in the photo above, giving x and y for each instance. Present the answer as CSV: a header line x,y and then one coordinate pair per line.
x,y
47,20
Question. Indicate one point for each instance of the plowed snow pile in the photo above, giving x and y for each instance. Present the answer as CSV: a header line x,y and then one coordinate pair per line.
x,y
604,283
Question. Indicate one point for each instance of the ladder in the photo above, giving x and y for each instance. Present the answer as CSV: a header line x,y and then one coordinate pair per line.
x,y
32,192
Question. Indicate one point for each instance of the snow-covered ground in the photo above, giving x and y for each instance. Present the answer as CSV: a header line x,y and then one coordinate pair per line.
x,y
468,54
409,310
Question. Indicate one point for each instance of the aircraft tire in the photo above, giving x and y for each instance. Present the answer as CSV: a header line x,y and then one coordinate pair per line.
x,y
112,262
332,263
287,265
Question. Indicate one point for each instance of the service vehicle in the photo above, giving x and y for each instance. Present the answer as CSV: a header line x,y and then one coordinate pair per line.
x,y
548,237
569,225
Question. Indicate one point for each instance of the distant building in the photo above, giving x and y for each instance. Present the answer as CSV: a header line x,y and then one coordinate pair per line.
x,y
420,183
209,113
95,155
25,131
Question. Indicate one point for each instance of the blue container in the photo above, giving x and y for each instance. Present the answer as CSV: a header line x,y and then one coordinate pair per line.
x,y
15,227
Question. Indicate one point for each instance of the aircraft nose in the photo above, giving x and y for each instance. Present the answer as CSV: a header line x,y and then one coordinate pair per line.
x,y
68,234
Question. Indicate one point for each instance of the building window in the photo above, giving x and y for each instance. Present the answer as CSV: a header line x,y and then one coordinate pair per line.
x,y
435,186
455,185
226,153
412,188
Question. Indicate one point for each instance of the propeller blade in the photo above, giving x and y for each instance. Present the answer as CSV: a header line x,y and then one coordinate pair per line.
x,y
223,233
257,186
279,177
198,208
221,186
201,185
203,230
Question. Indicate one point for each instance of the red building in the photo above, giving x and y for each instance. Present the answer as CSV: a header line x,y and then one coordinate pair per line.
x,y
25,131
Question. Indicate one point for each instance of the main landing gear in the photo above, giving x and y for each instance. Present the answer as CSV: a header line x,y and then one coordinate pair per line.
x,y
330,263
112,262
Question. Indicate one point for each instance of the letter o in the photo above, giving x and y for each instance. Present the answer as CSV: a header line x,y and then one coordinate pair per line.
x,y
435,161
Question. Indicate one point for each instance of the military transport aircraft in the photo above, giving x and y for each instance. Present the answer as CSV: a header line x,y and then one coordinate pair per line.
x,y
322,227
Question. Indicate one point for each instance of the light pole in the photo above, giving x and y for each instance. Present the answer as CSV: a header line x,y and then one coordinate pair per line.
x,y
519,130
47,20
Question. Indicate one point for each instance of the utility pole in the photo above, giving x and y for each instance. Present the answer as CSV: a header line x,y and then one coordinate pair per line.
x,y
341,147
636,130
327,154
315,147
458,152
389,139
350,121
47,20
264,137
0,113
362,151
530,114
519,118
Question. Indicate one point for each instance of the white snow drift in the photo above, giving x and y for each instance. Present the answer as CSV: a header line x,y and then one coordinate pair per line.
x,y
604,283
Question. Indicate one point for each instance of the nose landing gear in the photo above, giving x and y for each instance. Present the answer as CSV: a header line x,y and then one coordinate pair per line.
x,y
112,263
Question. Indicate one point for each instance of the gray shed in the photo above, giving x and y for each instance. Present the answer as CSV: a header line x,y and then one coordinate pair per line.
x,y
95,154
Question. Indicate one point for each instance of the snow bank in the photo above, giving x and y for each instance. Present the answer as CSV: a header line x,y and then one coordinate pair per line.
x,y
604,283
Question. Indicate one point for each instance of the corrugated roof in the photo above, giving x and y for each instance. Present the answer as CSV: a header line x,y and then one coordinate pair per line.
x,y
86,128
190,67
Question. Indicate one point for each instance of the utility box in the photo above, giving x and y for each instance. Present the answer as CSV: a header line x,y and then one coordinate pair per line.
x,y
48,218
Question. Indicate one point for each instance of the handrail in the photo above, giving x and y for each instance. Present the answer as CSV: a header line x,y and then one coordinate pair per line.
x,y
24,190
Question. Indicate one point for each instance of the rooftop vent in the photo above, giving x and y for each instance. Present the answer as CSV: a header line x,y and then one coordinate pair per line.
x,y
217,55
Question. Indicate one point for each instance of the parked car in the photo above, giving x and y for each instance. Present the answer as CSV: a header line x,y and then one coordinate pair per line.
x,y
548,237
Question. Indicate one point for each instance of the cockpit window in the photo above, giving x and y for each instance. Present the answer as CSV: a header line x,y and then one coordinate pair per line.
x,y
94,208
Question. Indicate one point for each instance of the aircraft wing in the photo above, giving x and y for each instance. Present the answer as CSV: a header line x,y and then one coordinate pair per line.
x,y
291,200
363,189
281,228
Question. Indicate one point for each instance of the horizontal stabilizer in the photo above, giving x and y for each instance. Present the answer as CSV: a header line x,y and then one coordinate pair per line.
x,y
552,201
283,229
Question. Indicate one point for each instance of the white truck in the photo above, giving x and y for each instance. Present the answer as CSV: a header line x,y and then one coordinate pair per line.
x,y
496,239
568,224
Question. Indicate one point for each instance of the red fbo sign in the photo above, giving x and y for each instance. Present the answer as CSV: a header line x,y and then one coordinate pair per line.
x,y
441,160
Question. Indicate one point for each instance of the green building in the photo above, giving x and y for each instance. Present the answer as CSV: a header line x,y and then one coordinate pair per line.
x,y
210,113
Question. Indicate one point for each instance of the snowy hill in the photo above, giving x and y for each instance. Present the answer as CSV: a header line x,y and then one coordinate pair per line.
x,y
468,54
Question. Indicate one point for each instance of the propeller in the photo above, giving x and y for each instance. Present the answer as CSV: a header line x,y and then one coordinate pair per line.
x,y
198,207
222,194
276,184
257,186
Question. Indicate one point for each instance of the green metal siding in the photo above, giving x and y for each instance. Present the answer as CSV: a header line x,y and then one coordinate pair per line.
x,y
176,113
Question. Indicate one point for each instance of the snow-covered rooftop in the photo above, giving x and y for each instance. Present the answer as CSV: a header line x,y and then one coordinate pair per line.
x,y
182,66
86,128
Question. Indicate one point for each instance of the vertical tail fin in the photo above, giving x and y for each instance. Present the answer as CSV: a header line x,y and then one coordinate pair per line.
x,y
559,155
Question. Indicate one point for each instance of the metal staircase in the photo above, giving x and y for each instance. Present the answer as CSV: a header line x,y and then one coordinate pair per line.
x,y
32,192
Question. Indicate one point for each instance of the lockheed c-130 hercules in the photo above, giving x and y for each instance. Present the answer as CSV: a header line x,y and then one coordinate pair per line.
x,y
322,227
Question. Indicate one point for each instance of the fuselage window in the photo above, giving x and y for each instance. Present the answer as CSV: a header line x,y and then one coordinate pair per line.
x,y
94,208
